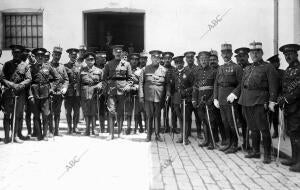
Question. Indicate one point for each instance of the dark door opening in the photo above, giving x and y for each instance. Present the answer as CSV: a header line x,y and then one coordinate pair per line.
x,y
125,29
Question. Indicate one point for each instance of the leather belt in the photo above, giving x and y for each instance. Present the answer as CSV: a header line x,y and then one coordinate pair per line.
x,y
205,88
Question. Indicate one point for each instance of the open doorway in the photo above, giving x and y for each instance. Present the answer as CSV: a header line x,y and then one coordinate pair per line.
x,y
126,28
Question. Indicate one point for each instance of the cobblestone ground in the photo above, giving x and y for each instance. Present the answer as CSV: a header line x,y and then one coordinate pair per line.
x,y
78,162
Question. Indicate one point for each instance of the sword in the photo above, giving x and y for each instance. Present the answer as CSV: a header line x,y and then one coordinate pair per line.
x,y
14,119
183,125
235,126
281,120
209,125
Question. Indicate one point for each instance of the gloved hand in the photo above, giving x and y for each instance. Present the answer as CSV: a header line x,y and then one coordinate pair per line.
x,y
64,91
281,101
271,106
231,97
216,103
194,104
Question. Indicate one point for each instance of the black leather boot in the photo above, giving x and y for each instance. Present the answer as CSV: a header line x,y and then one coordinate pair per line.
x,y
296,167
87,124
93,121
255,153
6,125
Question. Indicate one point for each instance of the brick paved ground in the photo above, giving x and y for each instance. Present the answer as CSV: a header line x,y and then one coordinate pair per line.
x,y
131,163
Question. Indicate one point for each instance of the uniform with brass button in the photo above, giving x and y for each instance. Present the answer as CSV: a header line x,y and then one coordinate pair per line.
x,y
42,74
116,77
259,88
153,89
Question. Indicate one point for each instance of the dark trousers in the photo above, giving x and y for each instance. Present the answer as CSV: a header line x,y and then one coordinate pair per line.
x,y
228,122
41,107
243,125
189,110
273,117
8,105
211,122
178,110
72,103
153,112
166,110
55,109
257,121
102,110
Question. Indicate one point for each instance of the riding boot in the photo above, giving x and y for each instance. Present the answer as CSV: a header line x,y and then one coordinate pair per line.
x,y
296,167
69,121
206,137
6,124
149,129
45,127
87,124
128,130
101,121
93,121
56,123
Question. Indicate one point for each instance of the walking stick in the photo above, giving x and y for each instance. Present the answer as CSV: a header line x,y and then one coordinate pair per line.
x,y
183,125
281,119
209,125
14,119
235,126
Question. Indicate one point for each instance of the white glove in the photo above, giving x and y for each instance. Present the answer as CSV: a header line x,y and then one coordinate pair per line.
x,y
216,103
231,97
271,106
64,90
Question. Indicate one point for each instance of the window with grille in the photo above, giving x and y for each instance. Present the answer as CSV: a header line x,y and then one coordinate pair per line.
x,y
23,29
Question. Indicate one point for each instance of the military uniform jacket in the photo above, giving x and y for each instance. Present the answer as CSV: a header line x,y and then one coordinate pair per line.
x,y
291,87
259,84
182,81
73,70
18,73
64,83
153,83
136,73
89,79
42,76
228,80
170,71
203,89
116,75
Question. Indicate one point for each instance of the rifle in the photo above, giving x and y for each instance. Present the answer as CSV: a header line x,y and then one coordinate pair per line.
x,y
235,125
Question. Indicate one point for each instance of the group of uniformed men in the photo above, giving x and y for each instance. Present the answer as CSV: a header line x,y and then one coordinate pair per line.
x,y
223,97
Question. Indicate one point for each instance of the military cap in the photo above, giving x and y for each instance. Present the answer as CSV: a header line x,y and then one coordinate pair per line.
x,y
156,53
39,51
168,54
178,58
192,53
57,49
213,53
242,50
255,46
273,59
47,53
143,54
289,48
100,53
26,50
82,47
89,54
203,53
118,47
72,51
17,48
134,56
226,47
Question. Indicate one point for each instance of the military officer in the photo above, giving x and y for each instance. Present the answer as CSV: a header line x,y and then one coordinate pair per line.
x,y
116,77
226,91
15,77
57,96
189,57
100,63
259,89
143,59
289,101
167,59
42,74
182,80
214,64
153,87
81,52
90,83
202,99
47,56
72,98
242,59
132,103
275,61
